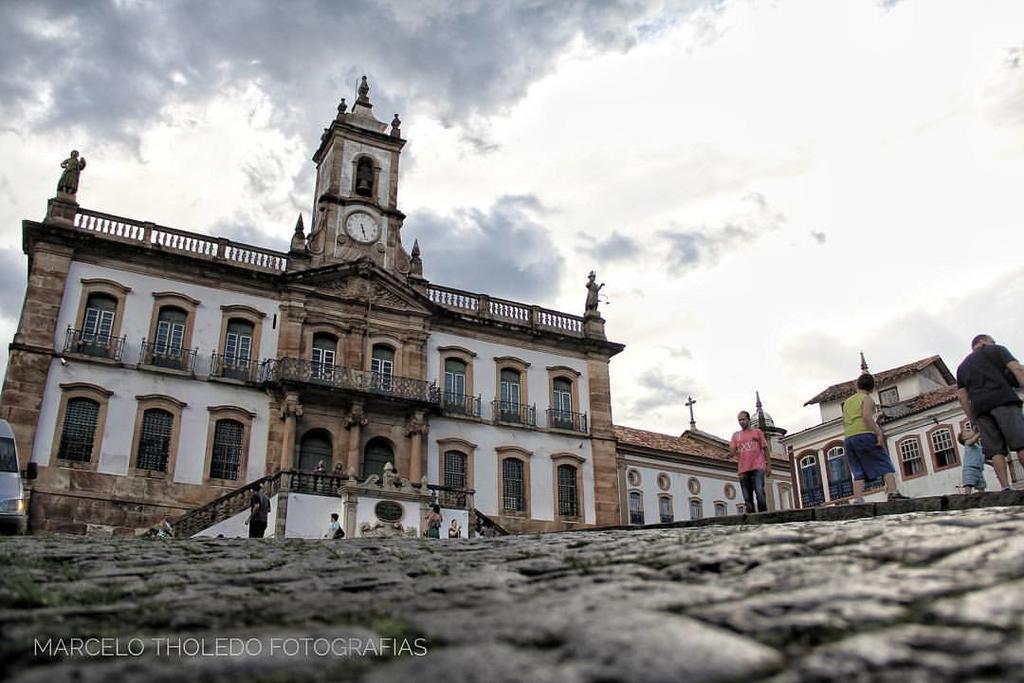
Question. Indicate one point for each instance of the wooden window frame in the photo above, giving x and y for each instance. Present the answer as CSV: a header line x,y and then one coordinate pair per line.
x,y
175,300
893,388
504,453
629,510
920,450
238,414
571,376
250,315
519,365
113,289
456,353
698,501
175,408
577,462
96,393
720,504
931,447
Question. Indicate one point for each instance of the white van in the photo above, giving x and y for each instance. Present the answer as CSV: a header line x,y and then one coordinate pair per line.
x,y
13,508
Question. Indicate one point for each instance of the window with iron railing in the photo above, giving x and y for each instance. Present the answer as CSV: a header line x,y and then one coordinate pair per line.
x,y
382,366
665,512
455,474
79,430
228,437
636,507
568,495
323,357
155,440
513,497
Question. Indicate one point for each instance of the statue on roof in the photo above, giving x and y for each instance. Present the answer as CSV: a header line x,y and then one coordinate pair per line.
x,y
592,292
73,166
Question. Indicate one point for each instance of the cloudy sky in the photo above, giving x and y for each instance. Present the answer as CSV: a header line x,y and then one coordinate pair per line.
x,y
767,187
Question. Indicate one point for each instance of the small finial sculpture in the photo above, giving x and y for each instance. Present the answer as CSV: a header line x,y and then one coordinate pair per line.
x,y
415,262
592,291
396,126
364,91
342,108
73,166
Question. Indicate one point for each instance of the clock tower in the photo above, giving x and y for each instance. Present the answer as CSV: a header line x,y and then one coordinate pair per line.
x,y
355,212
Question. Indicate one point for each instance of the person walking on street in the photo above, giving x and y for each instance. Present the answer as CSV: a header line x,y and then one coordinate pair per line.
x,y
974,461
987,382
750,449
864,442
259,509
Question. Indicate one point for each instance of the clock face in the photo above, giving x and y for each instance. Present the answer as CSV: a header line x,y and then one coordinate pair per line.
x,y
362,227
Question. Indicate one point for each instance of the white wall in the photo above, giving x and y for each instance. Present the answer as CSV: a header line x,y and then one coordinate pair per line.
x,y
309,516
542,445
485,373
365,513
138,313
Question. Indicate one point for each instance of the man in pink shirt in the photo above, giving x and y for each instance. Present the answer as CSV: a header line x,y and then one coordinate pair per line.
x,y
750,449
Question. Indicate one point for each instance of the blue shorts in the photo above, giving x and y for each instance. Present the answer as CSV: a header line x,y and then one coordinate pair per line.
x,y
867,459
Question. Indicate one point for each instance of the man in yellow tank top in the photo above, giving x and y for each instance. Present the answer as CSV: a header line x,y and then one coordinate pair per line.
x,y
865,443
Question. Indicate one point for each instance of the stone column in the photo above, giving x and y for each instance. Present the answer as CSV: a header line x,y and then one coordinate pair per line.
x,y
417,429
291,410
349,507
356,421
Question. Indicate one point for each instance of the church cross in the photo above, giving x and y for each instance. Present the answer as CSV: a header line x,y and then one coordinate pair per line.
x,y
689,404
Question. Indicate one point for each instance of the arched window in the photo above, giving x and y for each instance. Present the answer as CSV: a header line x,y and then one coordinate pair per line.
x,y
720,509
561,403
314,447
911,462
97,324
228,437
511,389
636,507
323,357
155,440
810,481
382,366
840,481
364,177
513,490
455,469
168,345
377,454
79,430
696,508
454,381
943,447
568,494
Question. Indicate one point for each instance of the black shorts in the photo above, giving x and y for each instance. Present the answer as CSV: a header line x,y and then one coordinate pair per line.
x,y
1002,430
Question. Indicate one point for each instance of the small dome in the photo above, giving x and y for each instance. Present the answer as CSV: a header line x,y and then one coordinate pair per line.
x,y
768,421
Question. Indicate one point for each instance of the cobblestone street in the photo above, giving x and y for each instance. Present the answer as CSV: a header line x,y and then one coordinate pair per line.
x,y
922,596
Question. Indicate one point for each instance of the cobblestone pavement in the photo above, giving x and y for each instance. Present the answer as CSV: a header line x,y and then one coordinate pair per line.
x,y
925,596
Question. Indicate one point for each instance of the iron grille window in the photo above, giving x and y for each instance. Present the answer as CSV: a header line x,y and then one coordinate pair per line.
x,y
945,452
227,449
665,510
155,440
76,439
910,457
636,507
568,499
512,483
455,469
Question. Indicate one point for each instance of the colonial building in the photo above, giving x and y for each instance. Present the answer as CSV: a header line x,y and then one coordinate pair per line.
x,y
667,478
918,411
157,371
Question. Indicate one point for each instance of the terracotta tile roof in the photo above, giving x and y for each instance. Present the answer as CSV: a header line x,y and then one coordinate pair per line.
x,y
686,444
919,403
844,390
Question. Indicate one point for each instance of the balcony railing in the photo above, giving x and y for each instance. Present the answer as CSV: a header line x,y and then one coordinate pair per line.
x,y
514,413
568,420
233,367
92,344
452,497
167,356
340,377
460,404
507,311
